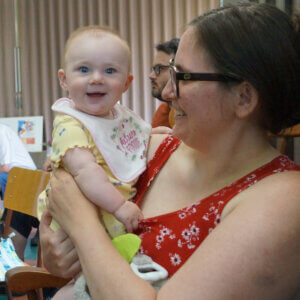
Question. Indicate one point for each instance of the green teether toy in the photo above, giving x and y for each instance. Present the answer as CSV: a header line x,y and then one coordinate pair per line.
x,y
127,244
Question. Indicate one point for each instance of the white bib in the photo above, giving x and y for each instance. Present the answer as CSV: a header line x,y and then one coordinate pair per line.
x,y
122,141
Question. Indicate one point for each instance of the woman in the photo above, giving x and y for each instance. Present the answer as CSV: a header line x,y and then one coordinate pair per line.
x,y
236,228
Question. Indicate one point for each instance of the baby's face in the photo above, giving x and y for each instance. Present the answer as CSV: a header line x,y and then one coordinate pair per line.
x,y
96,73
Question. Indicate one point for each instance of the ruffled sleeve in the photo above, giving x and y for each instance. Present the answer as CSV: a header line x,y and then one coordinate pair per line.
x,y
68,133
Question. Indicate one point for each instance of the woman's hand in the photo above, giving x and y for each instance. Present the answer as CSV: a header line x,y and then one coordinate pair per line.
x,y
58,253
47,165
66,203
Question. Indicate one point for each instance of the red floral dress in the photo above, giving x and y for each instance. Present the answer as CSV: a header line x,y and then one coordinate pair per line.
x,y
170,239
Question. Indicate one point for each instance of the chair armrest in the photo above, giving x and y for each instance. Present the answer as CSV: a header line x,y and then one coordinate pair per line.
x,y
24,279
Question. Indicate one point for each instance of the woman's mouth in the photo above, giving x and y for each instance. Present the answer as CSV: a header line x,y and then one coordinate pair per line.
x,y
179,113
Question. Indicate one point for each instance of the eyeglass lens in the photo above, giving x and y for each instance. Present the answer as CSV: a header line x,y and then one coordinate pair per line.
x,y
157,69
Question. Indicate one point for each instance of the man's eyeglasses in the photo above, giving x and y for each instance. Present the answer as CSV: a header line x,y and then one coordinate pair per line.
x,y
157,69
176,76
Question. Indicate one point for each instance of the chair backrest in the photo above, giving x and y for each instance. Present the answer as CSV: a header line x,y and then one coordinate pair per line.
x,y
23,188
291,132
21,194
30,280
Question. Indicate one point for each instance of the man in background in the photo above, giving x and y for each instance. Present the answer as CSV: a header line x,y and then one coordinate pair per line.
x,y
159,77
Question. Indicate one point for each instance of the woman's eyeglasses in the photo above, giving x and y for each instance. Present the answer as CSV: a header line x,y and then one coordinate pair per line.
x,y
175,76
157,69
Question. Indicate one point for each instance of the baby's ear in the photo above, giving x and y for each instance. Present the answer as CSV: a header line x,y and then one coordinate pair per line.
x,y
128,82
62,79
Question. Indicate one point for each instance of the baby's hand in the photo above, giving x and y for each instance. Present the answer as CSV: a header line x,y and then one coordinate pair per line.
x,y
129,214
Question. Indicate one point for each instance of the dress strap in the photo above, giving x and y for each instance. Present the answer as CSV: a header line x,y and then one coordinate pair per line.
x,y
162,154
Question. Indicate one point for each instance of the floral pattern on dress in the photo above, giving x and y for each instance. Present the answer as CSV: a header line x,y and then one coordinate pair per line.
x,y
189,236
170,239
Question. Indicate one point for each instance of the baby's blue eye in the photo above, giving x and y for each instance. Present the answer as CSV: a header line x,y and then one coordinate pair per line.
x,y
110,70
83,69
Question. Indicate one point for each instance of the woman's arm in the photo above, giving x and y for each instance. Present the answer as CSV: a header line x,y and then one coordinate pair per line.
x,y
59,255
252,254
90,240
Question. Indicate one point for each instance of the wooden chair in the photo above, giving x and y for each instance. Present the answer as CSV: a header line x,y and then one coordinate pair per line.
x,y
22,190
30,280
284,135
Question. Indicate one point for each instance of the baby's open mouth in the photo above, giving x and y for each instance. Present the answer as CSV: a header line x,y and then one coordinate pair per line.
x,y
95,94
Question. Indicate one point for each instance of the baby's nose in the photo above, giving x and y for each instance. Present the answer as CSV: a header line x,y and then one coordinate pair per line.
x,y
96,78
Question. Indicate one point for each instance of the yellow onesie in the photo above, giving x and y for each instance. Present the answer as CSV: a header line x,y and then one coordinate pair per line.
x,y
69,133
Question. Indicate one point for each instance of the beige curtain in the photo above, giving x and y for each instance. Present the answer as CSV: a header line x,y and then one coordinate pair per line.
x,y
44,26
7,42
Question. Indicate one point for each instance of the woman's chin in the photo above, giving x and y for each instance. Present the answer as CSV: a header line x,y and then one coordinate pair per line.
x,y
177,131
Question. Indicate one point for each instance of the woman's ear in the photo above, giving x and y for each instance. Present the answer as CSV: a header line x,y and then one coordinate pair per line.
x,y
62,79
246,99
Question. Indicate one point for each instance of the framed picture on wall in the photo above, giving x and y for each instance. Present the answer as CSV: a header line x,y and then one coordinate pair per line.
x,y
29,129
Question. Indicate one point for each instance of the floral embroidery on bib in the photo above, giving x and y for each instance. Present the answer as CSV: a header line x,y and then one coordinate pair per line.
x,y
129,137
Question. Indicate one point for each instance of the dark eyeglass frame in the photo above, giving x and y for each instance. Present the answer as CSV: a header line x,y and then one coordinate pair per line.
x,y
175,76
157,68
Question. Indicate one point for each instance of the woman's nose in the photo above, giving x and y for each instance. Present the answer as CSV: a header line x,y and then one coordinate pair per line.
x,y
96,78
168,92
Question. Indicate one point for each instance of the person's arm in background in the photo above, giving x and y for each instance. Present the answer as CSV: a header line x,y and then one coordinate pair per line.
x,y
4,168
252,254
5,151
5,155
96,186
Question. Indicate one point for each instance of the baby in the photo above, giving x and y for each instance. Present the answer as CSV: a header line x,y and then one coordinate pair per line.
x,y
101,143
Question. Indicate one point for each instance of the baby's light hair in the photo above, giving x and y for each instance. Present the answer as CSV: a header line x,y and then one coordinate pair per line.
x,y
97,31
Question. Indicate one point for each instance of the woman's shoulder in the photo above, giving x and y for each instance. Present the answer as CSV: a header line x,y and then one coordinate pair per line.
x,y
260,236
282,185
272,195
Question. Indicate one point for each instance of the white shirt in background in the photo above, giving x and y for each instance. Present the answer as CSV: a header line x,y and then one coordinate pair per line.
x,y
12,150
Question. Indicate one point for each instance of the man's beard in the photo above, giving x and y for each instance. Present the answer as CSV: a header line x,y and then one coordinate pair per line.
x,y
157,95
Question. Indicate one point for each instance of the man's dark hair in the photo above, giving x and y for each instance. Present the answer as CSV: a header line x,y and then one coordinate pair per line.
x,y
169,47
